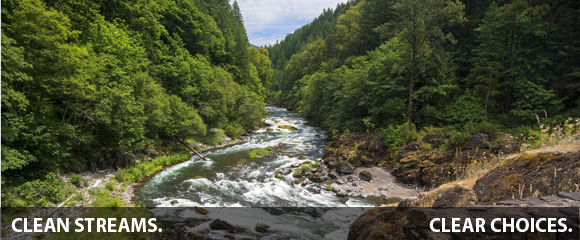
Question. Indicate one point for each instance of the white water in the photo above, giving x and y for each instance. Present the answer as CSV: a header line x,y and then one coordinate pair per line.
x,y
228,180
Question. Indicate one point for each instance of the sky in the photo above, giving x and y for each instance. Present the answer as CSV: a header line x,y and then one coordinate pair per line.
x,y
269,20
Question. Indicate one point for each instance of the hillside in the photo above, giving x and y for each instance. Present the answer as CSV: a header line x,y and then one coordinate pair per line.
x,y
356,68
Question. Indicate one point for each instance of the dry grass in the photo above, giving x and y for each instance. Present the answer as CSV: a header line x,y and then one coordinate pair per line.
x,y
562,148
562,138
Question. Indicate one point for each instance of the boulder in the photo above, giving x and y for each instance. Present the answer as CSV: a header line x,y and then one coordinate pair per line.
x,y
379,223
304,182
221,225
297,174
318,177
301,157
456,196
332,164
261,228
351,178
477,141
538,174
342,193
344,167
201,210
335,187
173,202
285,171
333,174
296,165
365,175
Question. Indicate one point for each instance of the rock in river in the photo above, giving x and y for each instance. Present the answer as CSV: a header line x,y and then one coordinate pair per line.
x,y
221,225
261,228
365,175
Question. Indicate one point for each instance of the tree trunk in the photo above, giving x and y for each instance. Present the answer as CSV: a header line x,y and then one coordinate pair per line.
x,y
410,110
191,149
487,96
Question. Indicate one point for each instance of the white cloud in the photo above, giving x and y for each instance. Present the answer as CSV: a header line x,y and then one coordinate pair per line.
x,y
268,21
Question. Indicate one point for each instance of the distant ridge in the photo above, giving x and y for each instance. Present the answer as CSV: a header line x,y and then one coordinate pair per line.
x,y
254,46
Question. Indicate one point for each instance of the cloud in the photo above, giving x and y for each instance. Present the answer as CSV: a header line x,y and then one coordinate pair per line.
x,y
268,21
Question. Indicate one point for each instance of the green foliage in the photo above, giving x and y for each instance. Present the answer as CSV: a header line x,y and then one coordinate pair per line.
x,y
456,140
234,130
142,169
329,187
120,174
35,193
467,108
110,186
83,79
76,179
306,167
211,138
258,152
316,164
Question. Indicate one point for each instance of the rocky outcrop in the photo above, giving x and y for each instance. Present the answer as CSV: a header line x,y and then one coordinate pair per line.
x,y
344,167
382,222
530,175
456,196
505,144
358,149
477,141
429,164
428,169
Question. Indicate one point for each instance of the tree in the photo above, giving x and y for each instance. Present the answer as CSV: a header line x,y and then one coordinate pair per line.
x,y
418,23
487,61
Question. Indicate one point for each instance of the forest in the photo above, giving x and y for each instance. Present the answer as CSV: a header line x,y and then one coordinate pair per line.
x,y
468,66
87,79
82,79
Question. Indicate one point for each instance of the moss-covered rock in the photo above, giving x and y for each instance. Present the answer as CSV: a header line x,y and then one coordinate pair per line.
x,y
527,175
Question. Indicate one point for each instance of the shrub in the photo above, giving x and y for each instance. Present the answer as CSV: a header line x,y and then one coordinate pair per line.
x,y
408,132
76,179
258,152
306,167
110,186
456,140
120,175
234,130
316,164
36,193
391,137
329,187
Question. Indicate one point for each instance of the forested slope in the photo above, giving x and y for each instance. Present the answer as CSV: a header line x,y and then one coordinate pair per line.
x,y
80,78
468,66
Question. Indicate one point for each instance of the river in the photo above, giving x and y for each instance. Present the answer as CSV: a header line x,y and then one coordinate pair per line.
x,y
230,180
